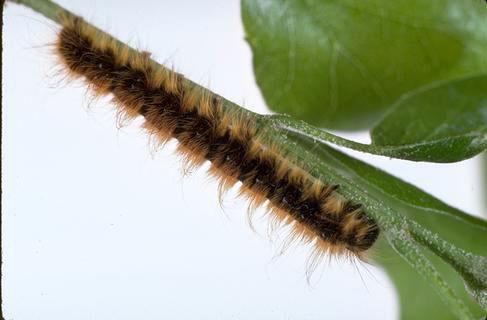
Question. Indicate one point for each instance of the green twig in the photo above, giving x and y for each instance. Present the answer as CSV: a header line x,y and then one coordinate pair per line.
x,y
472,268
398,231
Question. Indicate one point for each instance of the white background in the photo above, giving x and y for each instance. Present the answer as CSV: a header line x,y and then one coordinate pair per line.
x,y
95,226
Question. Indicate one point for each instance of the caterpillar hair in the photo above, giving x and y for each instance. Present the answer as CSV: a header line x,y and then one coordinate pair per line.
x,y
205,130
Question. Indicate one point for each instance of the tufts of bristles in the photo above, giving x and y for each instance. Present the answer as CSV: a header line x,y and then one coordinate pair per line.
x,y
314,211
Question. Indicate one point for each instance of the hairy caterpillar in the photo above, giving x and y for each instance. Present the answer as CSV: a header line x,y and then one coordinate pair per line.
x,y
205,131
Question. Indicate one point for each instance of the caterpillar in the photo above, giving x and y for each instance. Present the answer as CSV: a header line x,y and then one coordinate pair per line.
x,y
205,131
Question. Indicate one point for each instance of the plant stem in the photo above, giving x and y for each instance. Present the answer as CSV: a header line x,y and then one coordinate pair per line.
x,y
45,7
409,251
398,234
394,151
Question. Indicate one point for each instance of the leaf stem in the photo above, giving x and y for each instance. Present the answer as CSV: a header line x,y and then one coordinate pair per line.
x,y
406,151
45,7
471,267
397,230
409,251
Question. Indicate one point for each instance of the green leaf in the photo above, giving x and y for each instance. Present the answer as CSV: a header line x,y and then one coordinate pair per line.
x,y
443,123
340,64
405,214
